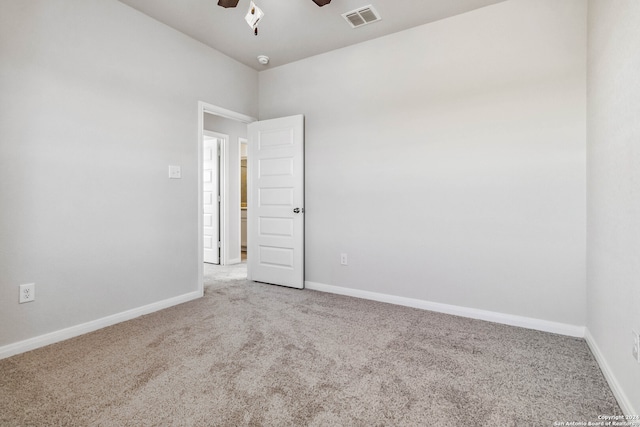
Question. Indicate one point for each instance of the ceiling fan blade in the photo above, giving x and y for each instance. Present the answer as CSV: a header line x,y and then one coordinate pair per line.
x,y
321,2
228,3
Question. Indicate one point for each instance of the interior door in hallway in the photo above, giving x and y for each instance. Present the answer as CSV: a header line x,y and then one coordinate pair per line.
x,y
211,199
275,218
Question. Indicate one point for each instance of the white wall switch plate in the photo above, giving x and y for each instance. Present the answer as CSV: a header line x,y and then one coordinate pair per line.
x,y
343,259
175,172
27,292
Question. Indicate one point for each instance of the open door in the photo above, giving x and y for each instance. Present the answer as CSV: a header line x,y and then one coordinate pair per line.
x,y
211,200
275,215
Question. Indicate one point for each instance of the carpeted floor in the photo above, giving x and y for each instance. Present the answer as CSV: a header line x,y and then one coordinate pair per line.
x,y
255,354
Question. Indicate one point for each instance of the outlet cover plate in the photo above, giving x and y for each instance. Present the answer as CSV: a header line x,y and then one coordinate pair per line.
x,y
27,292
175,172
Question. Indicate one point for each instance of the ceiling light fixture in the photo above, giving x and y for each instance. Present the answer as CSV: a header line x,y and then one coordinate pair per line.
x,y
253,16
263,59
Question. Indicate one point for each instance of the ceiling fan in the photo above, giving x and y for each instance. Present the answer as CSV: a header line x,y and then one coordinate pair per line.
x,y
234,3
255,14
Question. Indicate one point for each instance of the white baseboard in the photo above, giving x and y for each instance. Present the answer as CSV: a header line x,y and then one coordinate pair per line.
x,y
614,385
74,331
473,313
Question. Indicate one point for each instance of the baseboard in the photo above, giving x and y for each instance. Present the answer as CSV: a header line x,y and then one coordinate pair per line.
x,y
473,313
74,331
614,385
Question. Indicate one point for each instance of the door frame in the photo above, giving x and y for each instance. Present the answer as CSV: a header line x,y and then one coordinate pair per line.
x,y
206,108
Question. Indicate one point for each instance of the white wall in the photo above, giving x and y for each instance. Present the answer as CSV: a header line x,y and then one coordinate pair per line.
x,y
613,208
235,130
448,161
97,100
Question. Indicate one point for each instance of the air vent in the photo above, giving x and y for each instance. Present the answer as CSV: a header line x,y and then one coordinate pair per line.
x,y
362,16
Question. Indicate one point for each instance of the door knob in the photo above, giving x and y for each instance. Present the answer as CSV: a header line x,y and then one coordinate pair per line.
x,y
298,210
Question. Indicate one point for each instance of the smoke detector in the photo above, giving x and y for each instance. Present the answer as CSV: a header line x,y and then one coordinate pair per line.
x,y
263,59
362,16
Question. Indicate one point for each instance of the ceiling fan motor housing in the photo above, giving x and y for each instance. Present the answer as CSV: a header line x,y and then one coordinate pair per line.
x,y
228,3
321,2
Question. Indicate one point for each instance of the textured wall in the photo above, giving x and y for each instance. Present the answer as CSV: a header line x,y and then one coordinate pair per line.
x,y
613,284
448,160
97,100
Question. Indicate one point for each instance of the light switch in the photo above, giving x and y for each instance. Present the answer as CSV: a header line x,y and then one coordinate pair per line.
x,y
175,172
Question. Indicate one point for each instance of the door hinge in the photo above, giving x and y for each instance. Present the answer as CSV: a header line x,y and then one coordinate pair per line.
x,y
219,199
219,244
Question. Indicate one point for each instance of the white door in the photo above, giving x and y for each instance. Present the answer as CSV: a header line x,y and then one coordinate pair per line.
x,y
275,224
211,197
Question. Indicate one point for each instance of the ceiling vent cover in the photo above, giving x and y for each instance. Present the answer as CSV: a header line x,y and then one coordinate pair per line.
x,y
362,16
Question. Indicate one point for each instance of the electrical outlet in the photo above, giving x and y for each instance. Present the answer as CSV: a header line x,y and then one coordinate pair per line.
x,y
27,292
175,172
343,259
636,346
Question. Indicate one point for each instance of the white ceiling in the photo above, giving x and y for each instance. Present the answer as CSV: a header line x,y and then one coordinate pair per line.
x,y
293,29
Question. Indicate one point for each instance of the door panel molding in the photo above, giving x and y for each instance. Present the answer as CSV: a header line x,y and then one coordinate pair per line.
x,y
275,224
216,220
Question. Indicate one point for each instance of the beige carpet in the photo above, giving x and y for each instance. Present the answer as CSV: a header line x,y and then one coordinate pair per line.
x,y
254,354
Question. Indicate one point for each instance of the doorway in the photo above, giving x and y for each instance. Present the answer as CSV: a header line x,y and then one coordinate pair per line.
x,y
230,129
275,167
